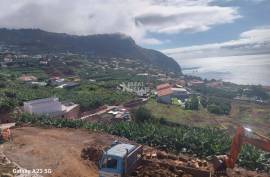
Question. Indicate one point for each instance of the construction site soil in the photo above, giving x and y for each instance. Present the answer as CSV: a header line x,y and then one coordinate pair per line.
x,y
75,152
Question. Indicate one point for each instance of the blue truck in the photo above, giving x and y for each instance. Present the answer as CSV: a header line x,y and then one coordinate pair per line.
x,y
120,160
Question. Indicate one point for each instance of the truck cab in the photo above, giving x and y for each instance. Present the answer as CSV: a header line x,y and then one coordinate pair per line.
x,y
119,160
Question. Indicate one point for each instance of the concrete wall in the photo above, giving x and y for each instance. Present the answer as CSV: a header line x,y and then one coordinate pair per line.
x,y
164,99
72,114
50,107
180,95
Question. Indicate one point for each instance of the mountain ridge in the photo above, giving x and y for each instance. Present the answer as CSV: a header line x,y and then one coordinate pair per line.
x,y
103,45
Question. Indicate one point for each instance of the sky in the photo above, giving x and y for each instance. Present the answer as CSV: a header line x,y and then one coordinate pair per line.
x,y
179,28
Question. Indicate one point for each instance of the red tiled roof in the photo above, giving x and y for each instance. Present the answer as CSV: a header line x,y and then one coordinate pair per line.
x,y
164,89
164,92
196,82
163,86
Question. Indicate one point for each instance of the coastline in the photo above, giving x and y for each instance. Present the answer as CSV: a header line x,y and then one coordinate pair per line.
x,y
241,70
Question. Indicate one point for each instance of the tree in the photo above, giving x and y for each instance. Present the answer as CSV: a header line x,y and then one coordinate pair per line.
x,y
218,105
204,101
6,105
163,121
214,109
259,92
10,94
2,84
193,103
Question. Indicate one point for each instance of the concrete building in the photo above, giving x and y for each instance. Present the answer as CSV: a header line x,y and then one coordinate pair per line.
x,y
164,92
8,60
195,82
168,94
180,83
27,78
47,106
68,85
180,93
215,84
70,110
52,107
39,83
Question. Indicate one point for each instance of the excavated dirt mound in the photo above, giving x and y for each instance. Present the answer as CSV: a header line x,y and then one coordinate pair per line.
x,y
157,163
92,153
153,169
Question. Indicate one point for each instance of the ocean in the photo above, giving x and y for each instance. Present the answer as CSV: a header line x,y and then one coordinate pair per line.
x,y
248,69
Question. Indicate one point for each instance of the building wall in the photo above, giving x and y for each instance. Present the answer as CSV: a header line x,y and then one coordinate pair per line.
x,y
180,95
26,108
72,114
50,107
164,99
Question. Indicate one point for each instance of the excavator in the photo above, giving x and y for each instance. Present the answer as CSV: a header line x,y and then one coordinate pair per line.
x,y
242,136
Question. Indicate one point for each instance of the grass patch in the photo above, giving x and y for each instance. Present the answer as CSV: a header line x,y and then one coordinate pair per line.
x,y
251,113
177,114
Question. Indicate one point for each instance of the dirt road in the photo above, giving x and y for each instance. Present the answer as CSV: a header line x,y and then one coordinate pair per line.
x,y
56,149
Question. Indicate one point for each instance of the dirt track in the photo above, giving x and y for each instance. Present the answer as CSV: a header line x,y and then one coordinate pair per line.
x,y
56,149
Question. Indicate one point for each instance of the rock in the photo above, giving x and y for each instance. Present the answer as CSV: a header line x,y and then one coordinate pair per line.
x,y
204,163
173,157
179,172
237,171
200,163
162,155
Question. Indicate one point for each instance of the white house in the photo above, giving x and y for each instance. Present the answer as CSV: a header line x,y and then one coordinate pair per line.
x,y
48,106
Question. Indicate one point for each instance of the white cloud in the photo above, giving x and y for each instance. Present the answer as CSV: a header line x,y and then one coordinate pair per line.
x,y
175,19
137,18
254,1
249,42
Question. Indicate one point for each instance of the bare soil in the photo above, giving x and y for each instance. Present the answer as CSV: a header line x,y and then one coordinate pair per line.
x,y
56,149
64,151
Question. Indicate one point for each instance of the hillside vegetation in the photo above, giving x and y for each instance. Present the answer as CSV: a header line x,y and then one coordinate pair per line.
x,y
103,45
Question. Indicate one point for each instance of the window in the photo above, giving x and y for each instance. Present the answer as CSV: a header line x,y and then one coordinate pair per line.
x,y
109,163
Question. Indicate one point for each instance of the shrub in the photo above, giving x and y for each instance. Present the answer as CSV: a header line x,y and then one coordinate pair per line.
x,y
142,115
204,101
6,104
193,103
214,109
219,105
